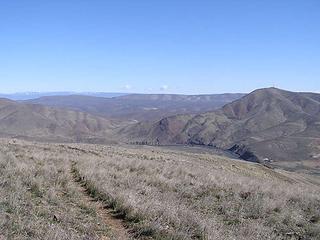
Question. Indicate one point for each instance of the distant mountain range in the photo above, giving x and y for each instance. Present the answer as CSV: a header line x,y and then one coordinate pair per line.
x,y
43,123
33,95
267,124
81,118
139,107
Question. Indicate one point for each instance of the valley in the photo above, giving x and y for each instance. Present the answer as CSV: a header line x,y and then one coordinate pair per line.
x,y
247,170
139,107
159,120
268,124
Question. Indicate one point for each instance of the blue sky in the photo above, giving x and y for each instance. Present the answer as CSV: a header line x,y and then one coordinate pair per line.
x,y
174,46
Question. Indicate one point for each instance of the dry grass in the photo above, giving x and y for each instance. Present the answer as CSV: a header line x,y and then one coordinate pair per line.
x,y
189,196
162,194
37,200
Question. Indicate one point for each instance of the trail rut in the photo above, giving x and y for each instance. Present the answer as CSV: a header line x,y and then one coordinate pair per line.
x,y
118,231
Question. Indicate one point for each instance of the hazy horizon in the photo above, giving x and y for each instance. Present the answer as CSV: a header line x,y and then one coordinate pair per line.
x,y
51,93
171,119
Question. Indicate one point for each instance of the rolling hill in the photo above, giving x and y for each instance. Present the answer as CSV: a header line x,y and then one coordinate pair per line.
x,y
268,124
91,191
139,107
47,123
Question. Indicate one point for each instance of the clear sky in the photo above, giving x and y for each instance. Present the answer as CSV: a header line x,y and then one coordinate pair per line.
x,y
178,46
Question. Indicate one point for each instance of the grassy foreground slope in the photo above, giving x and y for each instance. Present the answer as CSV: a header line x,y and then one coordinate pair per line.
x,y
162,194
199,196
38,199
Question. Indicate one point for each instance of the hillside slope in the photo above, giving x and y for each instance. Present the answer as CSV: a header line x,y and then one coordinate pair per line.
x,y
158,192
140,107
46,123
265,124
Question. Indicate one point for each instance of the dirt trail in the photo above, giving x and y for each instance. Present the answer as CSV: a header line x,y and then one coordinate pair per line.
x,y
117,229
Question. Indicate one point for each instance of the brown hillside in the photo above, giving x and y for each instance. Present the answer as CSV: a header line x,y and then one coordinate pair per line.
x,y
46,123
267,123
140,107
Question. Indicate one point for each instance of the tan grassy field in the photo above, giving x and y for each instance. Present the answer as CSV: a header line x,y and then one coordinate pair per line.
x,y
37,198
161,194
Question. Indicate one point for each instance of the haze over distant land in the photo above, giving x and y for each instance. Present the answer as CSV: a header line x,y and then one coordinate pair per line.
x,y
266,124
33,95
139,107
